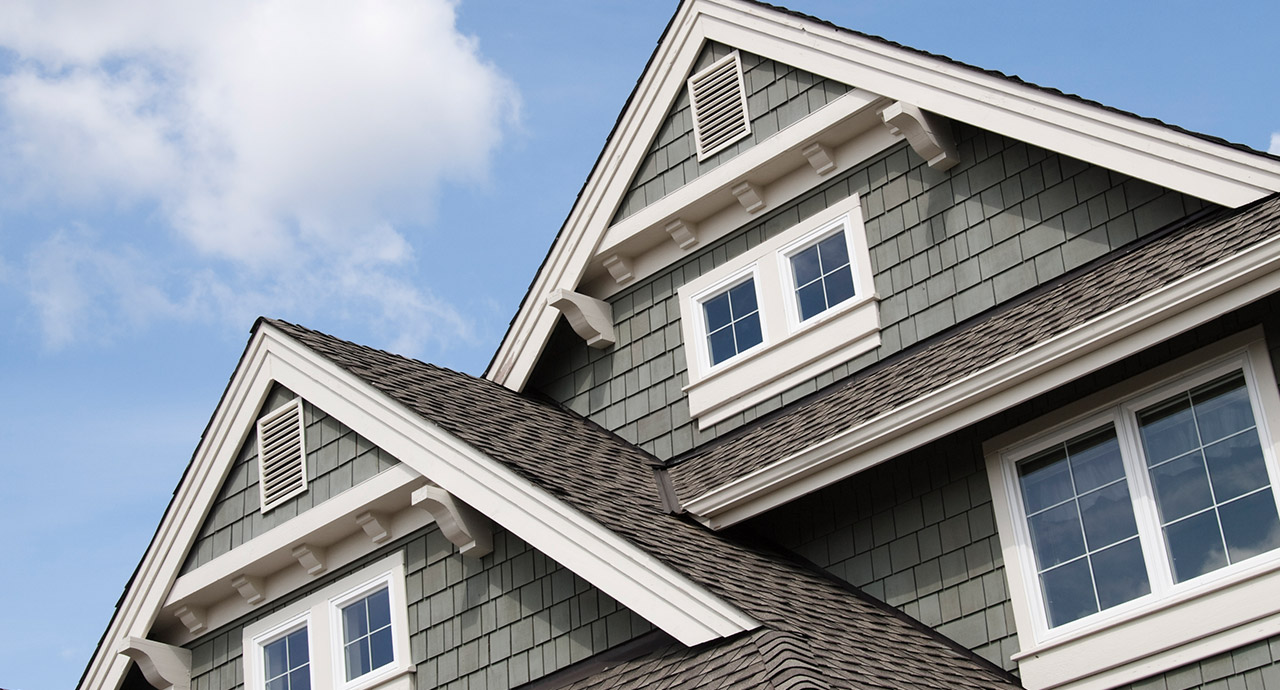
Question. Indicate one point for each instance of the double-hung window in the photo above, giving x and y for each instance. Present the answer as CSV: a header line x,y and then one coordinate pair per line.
x,y
1152,507
349,635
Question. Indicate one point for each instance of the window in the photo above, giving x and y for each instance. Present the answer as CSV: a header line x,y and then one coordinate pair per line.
x,y
349,635
821,273
1148,523
732,318
780,313
287,661
366,634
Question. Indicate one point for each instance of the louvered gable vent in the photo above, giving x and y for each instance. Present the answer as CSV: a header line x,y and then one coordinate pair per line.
x,y
282,455
719,102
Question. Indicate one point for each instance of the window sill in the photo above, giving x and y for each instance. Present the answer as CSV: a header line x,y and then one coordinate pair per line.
x,y
1160,636
779,366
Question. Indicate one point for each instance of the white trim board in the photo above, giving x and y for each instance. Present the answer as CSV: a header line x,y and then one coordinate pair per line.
x,y
638,581
1155,317
1158,154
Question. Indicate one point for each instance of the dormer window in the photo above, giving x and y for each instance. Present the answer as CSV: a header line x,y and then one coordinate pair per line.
x,y
782,312
821,274
732,318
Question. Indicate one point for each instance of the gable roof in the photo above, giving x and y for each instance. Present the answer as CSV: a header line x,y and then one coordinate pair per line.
x,y
831,631
1205,167
713,479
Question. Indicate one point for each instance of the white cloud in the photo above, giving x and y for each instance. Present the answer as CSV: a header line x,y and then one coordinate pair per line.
x,y
1275,144
279,139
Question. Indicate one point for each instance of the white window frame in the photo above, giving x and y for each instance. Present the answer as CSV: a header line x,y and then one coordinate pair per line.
x,y
257,669
1176,623
791,352
321,613
787,273
703,344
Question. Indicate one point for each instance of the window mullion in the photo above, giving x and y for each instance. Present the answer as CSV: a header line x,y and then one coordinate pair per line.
x,y
1159,572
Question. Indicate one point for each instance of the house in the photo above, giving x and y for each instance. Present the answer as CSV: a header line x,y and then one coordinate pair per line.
x,y
852,366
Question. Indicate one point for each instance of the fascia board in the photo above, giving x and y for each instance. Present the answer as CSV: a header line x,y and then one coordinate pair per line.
x,y
630,575
682,608
1182,162
192,501
1151,319
1152,152
591,213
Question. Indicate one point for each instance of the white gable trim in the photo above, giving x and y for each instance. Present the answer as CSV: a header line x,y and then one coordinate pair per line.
x,y
1152,152
640,582
1158,316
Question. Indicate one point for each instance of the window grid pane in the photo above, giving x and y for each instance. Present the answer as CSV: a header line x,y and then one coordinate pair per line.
x,y
286,662
1205,493
823,276
1083,531
367,643
733,321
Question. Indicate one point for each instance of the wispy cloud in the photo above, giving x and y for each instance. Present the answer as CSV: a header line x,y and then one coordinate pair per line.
x,y
288,145
1275,144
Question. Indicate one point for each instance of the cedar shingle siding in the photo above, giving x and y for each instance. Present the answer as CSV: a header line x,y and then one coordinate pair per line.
x,y
944,247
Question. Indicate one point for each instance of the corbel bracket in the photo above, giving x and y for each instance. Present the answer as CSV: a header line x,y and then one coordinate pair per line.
x,y
250,588
164,666
310,558
820,157
683,232
750,195
460,523
927,133
192,617
374,526
620,268
591,318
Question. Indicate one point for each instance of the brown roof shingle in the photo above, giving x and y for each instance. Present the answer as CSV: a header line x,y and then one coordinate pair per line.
x,y
833,633
880,390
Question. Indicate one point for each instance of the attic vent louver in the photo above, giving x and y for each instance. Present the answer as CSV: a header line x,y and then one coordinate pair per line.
x,y
719,102
281,455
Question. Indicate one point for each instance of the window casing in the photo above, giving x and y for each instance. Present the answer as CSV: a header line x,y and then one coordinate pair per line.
x,y
355,632
1108,521
797,339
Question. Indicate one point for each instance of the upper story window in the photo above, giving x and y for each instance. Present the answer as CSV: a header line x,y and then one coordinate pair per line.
x,y
732,321
287,661
366,633
350,635
784,311
821,274
1150,506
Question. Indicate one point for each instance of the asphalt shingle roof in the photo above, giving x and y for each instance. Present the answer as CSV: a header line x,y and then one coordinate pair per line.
x,y
878,391
814,627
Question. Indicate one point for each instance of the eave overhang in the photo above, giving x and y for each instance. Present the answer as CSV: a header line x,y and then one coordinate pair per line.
x,y
1147,150
1150,319
637,580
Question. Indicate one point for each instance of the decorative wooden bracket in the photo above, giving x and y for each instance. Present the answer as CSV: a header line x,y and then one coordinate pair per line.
x,y
750,195
460,523
620,268
192,617
310,557
683,232
250,588
374,526
821,157
927,133
164,666
591,318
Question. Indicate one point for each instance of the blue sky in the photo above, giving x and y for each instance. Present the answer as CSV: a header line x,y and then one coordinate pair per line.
x,y
392,174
